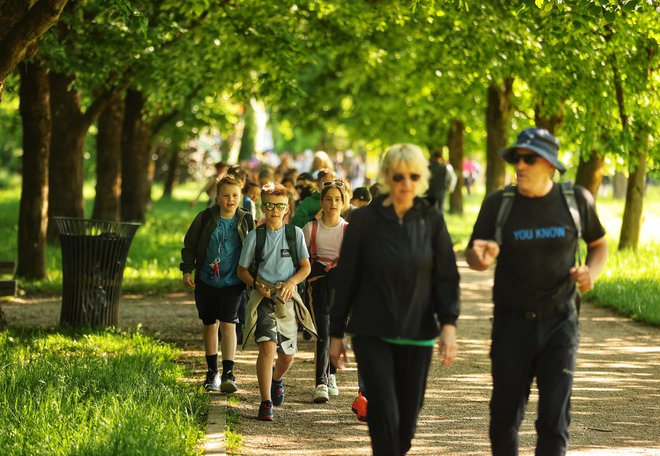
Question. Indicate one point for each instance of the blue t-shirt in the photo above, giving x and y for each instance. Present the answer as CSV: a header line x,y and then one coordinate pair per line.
x,y
225,245
276,265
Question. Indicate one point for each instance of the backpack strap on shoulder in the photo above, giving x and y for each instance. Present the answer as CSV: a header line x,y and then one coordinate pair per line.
x,y
258,250
505,209
568,192
290,233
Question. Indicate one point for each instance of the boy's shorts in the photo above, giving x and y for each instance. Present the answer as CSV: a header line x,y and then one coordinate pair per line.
x,y
217,303
281,330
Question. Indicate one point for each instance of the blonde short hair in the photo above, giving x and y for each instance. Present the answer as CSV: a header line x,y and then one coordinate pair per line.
x,y
412,156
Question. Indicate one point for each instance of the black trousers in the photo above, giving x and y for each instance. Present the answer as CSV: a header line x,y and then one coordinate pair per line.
x,y
322,296
521,350
395,377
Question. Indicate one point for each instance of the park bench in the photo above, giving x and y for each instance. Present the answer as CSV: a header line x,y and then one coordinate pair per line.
x,y
7,287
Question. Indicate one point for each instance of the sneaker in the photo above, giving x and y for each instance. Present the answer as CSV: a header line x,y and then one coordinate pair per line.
x,y
359,407
277,392
265,411
333,389
321,394
228,384
212,382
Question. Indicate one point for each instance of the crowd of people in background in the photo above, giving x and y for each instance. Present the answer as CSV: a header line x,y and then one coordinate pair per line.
x,y
324,252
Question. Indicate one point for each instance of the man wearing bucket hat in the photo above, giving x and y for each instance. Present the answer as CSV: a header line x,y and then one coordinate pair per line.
x,y
535,324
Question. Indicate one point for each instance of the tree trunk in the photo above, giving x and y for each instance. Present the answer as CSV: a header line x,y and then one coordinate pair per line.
x,y
65,198
249,131
172,172
136,160
33,213
632,213
456,144
21,23
498,116
590,172
108,162
551,122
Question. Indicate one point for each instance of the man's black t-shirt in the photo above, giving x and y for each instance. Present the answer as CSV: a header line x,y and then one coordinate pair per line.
x,y
539,242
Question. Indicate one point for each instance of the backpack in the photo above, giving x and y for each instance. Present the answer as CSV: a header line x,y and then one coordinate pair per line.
x,y
290,233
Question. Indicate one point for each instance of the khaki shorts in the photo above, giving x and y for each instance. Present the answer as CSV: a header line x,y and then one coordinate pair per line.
x,y
283,330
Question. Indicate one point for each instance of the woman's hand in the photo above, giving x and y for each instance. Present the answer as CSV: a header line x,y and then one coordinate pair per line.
x,y
337,351
447,345
188,280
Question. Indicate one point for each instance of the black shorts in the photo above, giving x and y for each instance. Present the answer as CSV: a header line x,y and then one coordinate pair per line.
x,y
218,303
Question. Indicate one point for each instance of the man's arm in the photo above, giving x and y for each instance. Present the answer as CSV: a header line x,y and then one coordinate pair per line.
x,y
586,275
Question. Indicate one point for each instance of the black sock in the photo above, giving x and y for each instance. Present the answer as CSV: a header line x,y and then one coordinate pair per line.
x,y
278,382
227,366
212,362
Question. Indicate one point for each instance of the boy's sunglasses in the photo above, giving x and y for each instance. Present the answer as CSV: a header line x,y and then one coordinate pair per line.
x,y
400,177
278,206
514,157
333,183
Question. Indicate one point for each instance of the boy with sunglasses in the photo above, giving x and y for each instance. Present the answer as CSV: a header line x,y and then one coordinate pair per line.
x,y
274,308
535,324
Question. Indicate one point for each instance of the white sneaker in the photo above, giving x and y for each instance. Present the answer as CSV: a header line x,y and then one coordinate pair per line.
x,y
321,394
333,389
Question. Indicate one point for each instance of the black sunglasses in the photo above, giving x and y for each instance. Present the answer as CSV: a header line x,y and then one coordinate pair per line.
x,y
400,177
515,157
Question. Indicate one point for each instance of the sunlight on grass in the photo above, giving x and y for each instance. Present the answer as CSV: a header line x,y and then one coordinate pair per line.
x,y
99,393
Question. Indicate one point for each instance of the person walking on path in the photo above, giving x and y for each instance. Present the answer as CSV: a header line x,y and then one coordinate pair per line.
x,y
535,325
211,249
323,238
397,278
273,262
310,206
443,179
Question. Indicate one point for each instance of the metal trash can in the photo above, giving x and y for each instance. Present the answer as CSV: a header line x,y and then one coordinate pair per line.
x,y
94,254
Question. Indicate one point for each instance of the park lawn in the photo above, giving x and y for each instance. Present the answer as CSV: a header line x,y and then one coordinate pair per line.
x,y
101,393
629,283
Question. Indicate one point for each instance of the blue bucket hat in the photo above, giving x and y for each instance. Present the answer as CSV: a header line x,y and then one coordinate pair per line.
x,y
539,141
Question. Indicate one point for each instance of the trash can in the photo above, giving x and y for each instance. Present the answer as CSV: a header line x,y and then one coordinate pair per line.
x,y
94,254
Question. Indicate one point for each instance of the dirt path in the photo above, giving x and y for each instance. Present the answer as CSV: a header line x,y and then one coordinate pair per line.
x,y
616,398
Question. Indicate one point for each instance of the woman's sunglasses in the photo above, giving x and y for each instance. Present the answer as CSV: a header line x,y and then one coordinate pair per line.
x,y
278,206
400,177
515,157
333,183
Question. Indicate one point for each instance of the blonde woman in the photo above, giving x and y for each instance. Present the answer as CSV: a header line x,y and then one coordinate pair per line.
x,y
398,280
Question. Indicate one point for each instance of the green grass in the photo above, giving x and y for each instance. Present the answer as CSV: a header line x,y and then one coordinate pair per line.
x,y
153,261
233,440
630,284
101,393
